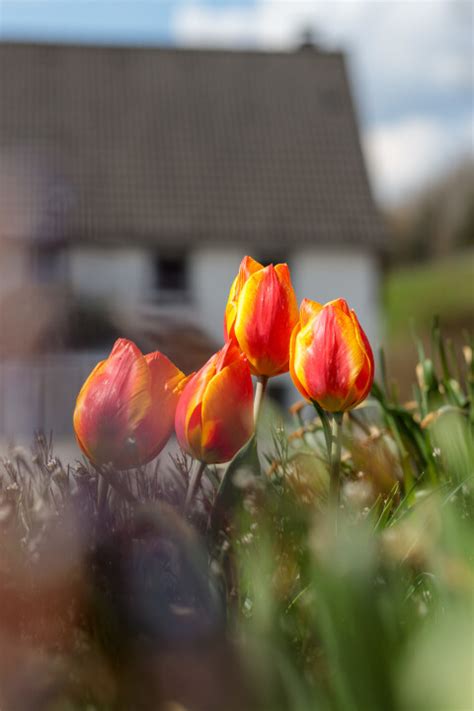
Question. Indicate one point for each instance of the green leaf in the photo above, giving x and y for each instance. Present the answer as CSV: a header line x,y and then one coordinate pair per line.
x,y
324,417
245,462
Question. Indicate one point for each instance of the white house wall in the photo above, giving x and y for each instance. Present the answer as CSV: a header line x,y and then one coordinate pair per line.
x,y
323,275
121,275
212,271
125,275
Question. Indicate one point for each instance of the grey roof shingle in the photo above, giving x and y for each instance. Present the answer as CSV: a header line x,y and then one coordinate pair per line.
x,y
175,145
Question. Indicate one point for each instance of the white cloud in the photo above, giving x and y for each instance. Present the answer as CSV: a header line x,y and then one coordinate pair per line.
x,y
393,43
410,61
271,24
411,152
453,70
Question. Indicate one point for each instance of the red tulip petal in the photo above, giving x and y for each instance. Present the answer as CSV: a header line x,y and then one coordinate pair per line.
x,y
112,403
188,423
162,371
78,417
128,382
331,363
362,339
227,355
266,314
340,304
229,320
227,414
188,411
166,384
295,367
308,310
365,378
283,274
331,358
248,266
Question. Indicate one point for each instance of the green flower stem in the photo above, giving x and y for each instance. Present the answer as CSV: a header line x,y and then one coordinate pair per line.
x,y
326,425
262,381
194,485
335,478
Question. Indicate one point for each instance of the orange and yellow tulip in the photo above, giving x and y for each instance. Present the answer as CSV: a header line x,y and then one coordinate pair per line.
x,y
260,315
125,410
331,360
214,417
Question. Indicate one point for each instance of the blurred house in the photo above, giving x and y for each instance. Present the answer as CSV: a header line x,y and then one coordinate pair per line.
x,y
141,176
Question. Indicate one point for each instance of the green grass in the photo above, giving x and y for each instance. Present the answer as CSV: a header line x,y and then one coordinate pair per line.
x,y
443,287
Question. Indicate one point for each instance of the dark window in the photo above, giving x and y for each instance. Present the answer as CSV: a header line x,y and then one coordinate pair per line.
x,y
171,272
272,258
46,264
278,393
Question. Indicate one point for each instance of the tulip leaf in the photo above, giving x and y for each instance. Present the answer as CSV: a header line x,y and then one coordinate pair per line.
x,y
326,425
240,472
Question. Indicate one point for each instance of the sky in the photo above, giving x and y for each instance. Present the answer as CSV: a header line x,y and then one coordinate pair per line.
x,y
411,61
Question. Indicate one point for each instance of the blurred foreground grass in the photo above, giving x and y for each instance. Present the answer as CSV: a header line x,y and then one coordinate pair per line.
x,y
262,599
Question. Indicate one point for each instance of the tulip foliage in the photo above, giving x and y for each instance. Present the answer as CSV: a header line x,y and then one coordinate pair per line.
x,y
131,404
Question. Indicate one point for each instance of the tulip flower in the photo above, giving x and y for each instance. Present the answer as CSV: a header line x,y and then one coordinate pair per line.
x,y
260,315
125,410
331,360
214,417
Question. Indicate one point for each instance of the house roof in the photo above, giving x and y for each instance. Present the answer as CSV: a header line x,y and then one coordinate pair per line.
x,y
170,146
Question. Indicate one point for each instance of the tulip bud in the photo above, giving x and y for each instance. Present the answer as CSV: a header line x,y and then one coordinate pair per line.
x,y
214,417
260,315
331,360
125,410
